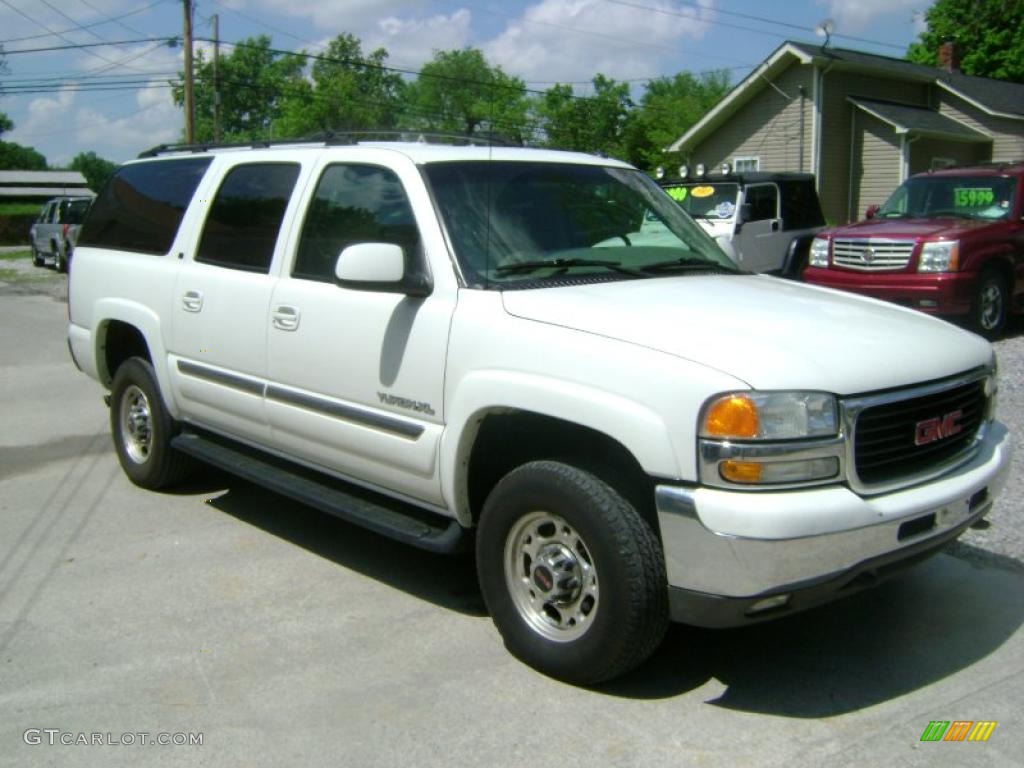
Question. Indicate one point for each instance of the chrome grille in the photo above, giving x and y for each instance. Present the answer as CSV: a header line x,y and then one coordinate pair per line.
x,y
871,254
901,440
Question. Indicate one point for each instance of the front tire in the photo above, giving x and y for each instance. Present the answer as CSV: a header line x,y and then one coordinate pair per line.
x,y
573,576
142,428
37,257
991,305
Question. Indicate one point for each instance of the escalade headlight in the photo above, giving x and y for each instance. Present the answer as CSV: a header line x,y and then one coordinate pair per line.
x,y
939,257
770,439
819,252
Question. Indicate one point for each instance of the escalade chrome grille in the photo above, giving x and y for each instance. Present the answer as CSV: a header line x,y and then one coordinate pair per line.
x,y
908,438
871,255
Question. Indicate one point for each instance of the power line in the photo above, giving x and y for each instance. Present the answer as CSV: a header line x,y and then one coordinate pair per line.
x,y
169,41
749,16
108,20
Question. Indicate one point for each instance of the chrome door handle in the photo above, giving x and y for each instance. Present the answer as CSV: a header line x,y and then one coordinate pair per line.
x,y
285,317
192,301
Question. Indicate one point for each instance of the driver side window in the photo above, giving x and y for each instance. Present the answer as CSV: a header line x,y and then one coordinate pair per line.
x,y
353,204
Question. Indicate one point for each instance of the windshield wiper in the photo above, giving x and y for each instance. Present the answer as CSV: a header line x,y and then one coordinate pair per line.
x,y
563,264
687,264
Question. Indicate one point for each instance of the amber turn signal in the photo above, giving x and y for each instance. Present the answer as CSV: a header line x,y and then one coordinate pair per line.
x,y
731,416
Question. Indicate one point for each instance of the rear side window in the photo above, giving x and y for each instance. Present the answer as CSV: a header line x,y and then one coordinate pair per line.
x,y
142,206
245,219
353,204
800,206
764,201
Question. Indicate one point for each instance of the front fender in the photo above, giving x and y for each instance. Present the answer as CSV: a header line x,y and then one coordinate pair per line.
x,y
635,426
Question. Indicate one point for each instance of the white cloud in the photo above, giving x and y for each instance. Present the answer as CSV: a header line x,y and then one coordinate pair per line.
x,y
335,15
570,40
156,120
412,42
853,16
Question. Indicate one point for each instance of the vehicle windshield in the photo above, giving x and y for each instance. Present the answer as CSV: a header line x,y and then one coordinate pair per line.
x,y
706,201
967,197
521,224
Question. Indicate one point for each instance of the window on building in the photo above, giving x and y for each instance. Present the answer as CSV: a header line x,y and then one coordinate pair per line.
x,y
745,164
245,218
353,204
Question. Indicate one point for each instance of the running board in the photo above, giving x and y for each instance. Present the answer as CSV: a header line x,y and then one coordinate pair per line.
x,y
388,517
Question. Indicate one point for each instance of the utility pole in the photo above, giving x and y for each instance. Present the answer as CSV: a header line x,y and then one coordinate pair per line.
x,y
190,124
216,78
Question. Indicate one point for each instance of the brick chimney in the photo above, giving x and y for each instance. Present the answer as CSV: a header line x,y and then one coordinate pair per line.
x,y
949,59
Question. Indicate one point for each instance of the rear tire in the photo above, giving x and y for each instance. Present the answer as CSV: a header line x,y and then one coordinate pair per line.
x,y
990,308
142,428
37,257
574,578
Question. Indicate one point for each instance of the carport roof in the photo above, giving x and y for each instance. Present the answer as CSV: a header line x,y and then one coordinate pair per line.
x,y
919,121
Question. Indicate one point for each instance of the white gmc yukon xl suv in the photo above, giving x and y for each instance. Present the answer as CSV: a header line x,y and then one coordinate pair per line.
x,y
539,353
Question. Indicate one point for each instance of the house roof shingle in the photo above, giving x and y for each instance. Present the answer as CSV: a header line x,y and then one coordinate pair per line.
x,y
997,95
919,120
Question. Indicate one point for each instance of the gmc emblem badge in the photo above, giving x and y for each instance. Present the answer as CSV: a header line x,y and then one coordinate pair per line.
x,y
939,428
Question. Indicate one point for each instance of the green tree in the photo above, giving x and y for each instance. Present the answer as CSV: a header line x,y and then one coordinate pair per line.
x,y
989,35
596,123
458,91
96,169
668,108
346,90
254,81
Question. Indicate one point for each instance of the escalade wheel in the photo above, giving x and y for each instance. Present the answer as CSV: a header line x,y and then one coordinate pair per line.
x,y
990,308
572,575
142,428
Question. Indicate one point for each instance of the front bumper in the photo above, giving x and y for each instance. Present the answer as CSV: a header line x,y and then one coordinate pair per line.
x,y
728,552
939,293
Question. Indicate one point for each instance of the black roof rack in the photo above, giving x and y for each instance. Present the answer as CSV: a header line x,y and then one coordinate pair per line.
x,y
999,165
337,138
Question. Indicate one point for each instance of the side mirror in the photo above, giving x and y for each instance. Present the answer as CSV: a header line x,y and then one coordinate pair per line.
x,y
871,211
379,267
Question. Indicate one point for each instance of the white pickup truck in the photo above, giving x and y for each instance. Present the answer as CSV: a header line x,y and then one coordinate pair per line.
x,y
538,353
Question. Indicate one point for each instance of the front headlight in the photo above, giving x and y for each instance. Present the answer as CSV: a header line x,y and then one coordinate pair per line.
x,y
819,252
770,439
939,257
770,416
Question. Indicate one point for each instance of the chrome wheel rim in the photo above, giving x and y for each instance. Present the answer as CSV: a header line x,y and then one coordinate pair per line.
x,y
551,576
136,424
991,306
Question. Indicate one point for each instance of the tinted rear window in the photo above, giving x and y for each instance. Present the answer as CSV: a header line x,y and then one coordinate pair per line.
x,y
800,206
142,206
74,211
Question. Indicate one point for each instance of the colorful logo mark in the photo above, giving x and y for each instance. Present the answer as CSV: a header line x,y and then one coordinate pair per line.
x,y
958,730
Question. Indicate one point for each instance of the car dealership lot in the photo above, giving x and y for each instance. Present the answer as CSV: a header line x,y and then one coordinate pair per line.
x,y
284,636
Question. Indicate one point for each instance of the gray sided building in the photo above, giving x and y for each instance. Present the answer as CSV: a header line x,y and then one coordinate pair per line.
x,y
860,122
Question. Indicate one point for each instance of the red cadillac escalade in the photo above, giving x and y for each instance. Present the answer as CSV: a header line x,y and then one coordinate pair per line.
x,y
947,242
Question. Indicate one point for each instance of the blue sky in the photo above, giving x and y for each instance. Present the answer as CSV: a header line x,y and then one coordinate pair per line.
x,y
541,41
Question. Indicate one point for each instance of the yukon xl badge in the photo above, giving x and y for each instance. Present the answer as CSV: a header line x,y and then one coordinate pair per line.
x,y
938,428
404,402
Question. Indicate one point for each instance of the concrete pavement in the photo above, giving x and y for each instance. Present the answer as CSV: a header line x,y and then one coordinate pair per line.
x,y
286,637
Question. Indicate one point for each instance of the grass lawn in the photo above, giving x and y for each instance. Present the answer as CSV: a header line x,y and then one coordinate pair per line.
x,y
14,255
20,209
